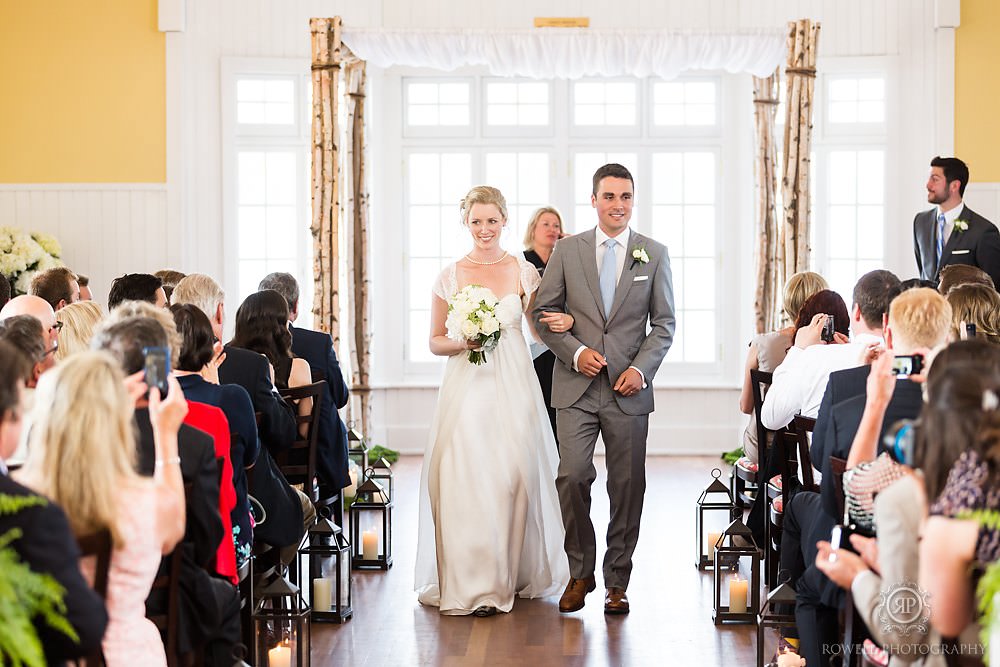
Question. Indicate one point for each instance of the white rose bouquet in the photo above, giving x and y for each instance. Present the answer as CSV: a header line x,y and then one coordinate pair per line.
x,y
24,254
472,316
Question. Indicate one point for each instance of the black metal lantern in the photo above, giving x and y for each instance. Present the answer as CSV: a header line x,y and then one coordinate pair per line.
x,y
771,617
371,526
281,626
737,579
383,476
713,512
329,572
357,448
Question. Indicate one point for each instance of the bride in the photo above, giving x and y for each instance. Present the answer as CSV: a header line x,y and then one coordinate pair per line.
x,y
490,524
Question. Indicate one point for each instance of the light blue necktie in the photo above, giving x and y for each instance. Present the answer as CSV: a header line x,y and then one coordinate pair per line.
x,y
609,270
940,238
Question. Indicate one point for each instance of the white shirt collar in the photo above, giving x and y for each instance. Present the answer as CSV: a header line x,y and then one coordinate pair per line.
x,y
951,216
622,237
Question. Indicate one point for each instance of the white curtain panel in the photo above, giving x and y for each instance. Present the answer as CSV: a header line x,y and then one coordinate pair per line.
x,y
572,53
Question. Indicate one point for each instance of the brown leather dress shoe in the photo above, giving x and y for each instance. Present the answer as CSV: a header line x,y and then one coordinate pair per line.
x,y
576,590
615,601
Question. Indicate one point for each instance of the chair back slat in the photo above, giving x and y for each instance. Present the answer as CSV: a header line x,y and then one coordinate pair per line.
x,y
838,467
97,545
803,428
759,382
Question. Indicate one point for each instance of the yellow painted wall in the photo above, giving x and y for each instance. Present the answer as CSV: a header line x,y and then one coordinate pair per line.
x,y
82,92
977,89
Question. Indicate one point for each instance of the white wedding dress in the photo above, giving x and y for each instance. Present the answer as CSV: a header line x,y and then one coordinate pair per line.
x,y
490,524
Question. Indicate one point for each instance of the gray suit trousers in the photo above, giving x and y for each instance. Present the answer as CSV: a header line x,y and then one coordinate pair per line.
x,y
625,443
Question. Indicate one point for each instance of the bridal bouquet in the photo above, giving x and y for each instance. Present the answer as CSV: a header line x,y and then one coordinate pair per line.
x,y
472,316
24,254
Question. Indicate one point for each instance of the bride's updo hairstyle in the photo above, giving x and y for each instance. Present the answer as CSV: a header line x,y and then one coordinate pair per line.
x,y
482,194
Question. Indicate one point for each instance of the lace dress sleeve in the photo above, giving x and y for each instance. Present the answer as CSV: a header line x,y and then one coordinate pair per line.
x,y
530,279
447,283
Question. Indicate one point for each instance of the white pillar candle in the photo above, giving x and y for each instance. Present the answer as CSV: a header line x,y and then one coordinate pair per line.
x,y
369,545
737,595
352,488
710,544
345,579
322,594
280,656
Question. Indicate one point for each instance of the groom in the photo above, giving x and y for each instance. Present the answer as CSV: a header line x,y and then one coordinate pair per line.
x,y
612,281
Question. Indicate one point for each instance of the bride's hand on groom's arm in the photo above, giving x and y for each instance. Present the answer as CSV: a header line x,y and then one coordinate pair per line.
x,y
557,322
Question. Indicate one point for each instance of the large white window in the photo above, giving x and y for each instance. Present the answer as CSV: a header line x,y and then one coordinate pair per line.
x,y
540,142
266,156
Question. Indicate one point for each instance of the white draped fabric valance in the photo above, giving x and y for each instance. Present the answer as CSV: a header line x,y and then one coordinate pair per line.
x,y
572,53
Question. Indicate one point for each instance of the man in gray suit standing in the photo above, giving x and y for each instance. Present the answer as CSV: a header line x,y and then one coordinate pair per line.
x,y
613,282
951,232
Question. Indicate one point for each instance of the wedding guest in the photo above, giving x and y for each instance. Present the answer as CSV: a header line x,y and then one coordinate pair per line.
x,y
25,334
262,327
208,607
800,380
137,287
4,290
46,544
202,416
84,283
544,229
82,456
80,320
58,286
41,311
194,360
978,305
316,347
954,275
951,232
277,428
170,279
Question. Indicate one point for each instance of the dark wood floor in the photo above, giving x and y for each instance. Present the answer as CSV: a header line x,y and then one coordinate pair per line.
x,y
670,623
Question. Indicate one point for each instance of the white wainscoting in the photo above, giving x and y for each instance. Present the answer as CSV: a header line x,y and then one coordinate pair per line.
x,y
984,199
686,421
105,229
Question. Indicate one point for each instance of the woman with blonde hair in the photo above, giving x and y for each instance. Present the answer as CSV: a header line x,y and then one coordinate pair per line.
x,y
490,526
767,350
544,229
82,456
80,320
975,304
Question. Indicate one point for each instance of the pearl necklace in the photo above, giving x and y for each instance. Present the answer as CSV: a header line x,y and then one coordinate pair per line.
x,y
474,261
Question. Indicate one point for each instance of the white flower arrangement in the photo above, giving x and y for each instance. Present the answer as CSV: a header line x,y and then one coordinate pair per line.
x,y
639,255
961,226
24,254
472,316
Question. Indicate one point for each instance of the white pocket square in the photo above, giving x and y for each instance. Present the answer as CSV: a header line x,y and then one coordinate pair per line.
x,y
638,278
959,252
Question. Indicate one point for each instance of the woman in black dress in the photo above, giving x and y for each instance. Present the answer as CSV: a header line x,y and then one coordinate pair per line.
x,y
544,229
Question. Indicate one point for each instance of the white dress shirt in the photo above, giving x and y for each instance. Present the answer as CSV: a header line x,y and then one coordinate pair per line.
x,y
949,220
799,383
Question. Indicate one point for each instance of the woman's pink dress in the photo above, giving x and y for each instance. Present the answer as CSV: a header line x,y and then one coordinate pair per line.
x,y
131,639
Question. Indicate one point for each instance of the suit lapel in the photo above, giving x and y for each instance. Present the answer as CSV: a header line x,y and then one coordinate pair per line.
x,y
929,242
628,273
955,237
588,258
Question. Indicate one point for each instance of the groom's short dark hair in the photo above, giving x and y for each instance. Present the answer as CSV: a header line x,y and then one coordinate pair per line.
x,y
954,170
613,170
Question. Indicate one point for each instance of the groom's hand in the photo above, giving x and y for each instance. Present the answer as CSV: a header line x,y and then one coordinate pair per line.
x,y
590,362
629,382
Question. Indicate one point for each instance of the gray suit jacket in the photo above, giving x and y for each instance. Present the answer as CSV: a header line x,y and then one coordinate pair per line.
x,y
978,246
644,294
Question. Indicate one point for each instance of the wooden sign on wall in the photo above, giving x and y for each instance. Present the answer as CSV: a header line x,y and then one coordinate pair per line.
x,y
562,22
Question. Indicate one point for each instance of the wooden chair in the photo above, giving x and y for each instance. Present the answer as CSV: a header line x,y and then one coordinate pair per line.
x,y
743,482
785,453
97,545
298,462
166,586
803,428
245,574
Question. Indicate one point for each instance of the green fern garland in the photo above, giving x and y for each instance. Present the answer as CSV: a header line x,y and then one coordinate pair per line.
x,y
24,595
989,584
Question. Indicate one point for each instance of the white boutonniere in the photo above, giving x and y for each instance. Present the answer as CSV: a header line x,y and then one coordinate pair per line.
x,y
639,256
961,226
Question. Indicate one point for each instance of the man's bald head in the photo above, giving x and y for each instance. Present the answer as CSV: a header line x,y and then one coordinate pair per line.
x,y
38,308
